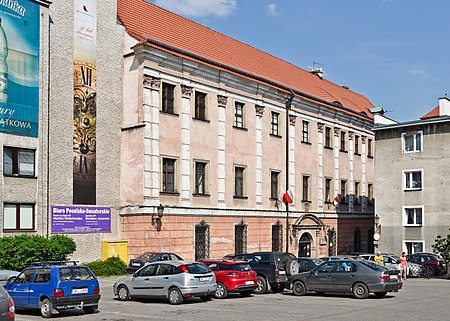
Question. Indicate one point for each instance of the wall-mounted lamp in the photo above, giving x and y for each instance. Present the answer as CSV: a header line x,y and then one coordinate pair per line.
x,y
377,220
160,210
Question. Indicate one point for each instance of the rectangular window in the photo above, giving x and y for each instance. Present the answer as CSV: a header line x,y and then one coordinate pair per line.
x,y
413,216
370,193
239,115
239,181
200,105
240,238
18,217
18,161
305,131
200,177
343,141
412,142
274,123
305,196
356,144
412,180
328,137
277,237
369,148
168,179
412,247
274,184
168,98
357,193
328,198
343,198
202,240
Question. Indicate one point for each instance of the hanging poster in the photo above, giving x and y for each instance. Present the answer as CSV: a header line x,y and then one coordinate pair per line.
x,y
81,219
19,67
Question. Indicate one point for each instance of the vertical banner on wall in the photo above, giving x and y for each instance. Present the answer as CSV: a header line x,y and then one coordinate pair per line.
x,y
19,67
84,100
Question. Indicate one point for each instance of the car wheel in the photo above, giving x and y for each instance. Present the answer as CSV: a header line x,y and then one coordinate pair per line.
x,y
206,298
277,288
292,267
88,310
221,291
175,296
380,294
123,294
46,308
360,291
298,288
262,285
246,293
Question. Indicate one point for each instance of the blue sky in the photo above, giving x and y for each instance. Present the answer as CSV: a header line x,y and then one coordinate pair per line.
x,y
394,52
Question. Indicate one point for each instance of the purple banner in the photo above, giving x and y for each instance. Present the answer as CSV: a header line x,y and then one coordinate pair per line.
x,y
81,219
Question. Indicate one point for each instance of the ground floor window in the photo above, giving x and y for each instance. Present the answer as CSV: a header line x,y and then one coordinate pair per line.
x,y
277,237
357,240
18,217
202,241
240,238
412,247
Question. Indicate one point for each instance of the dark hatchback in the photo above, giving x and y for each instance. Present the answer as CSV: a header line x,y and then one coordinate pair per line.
x,y
347,276
434,264
150,257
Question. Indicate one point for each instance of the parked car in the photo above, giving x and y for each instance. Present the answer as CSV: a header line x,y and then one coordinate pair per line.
x,y
272,268
7,309
392,261
6,275
232,276
358,277
307,263
432,263
55,286
149,257
174,280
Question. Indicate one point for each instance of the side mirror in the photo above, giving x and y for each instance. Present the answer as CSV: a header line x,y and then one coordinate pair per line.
x,y
11,280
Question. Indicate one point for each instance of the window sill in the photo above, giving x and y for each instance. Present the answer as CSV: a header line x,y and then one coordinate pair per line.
x,y
240,197
274,199
19,231
274,136
240,128
306,201
170,193
412,190
343,151
201,195
169,113
201,120
307,143
370,156
357,154
20,176
413,225
328,147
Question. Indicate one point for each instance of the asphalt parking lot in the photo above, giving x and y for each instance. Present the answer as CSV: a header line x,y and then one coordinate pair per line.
x,y
420,299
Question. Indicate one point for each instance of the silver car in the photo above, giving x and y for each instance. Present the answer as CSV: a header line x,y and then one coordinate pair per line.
x,y
393,262
174,280
7,275
7,311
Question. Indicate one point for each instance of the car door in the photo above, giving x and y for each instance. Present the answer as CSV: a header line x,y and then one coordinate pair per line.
x,y
39,285
163,277
321,278
344,276
142,283
20,289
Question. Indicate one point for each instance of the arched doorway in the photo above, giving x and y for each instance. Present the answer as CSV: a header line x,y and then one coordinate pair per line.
x,y
304,245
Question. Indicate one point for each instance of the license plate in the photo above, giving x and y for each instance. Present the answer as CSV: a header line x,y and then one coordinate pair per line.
x,y
79,291
394,277
249,282
204,279
136,264
282,272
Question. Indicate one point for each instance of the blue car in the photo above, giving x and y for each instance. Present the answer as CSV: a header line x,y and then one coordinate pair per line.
x,y
55,287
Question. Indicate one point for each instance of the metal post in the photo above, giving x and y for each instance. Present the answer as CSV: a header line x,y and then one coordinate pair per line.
x,y
288,107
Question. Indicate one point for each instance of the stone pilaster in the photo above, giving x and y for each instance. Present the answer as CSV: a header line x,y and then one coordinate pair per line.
x,y
259,155
320,178
221,145
186,93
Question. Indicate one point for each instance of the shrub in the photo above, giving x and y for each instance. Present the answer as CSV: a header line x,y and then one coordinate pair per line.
x,y
111,266
16,252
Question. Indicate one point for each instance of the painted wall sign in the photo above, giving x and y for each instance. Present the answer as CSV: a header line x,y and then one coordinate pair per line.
x,y
19,67
81,219
85,102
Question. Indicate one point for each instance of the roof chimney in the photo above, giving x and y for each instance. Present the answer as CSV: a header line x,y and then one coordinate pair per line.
x,y
444,106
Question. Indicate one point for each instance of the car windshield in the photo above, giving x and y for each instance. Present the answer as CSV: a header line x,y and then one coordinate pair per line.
x,y
239,267
78,273
197,268
374,266
146,256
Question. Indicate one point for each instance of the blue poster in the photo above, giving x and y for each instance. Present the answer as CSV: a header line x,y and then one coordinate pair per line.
x,y
19,67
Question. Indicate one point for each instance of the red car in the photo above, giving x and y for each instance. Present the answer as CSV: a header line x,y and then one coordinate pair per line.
x,y
232,276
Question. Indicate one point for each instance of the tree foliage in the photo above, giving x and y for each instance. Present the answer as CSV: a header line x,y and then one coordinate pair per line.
x,y
16,252
442,246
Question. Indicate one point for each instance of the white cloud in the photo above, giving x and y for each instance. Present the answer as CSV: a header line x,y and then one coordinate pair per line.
x,y
199,8
272,10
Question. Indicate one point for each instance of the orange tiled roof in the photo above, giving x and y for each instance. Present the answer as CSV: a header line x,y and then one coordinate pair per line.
x,y
432,114
144,20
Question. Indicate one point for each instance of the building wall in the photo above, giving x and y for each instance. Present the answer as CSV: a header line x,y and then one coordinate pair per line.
x,y
390,194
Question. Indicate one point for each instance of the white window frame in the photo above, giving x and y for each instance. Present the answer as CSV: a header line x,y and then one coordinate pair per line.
x,y
405,216
405,248
414,142
410,171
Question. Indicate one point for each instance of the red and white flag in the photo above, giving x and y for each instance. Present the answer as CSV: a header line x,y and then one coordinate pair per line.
x,y
336,200
288,197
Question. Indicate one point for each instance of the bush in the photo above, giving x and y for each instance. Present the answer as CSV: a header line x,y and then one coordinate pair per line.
x,y
16,252
112,266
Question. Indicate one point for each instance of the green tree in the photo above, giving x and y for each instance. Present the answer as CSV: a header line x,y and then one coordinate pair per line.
x,y
442,246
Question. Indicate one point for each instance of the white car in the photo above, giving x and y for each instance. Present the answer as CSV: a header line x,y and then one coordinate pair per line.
x,y
393,262
6,275
174,280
